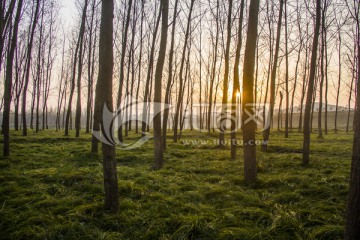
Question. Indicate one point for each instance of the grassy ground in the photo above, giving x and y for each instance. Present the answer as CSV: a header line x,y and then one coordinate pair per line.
x,y
51,188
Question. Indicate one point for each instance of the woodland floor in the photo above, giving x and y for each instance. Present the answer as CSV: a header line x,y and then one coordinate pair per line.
x,y
51,188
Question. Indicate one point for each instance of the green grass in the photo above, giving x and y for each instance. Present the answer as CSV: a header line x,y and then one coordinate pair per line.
x,y
51,188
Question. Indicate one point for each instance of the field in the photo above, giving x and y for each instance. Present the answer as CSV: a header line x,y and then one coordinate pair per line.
x,y
51,188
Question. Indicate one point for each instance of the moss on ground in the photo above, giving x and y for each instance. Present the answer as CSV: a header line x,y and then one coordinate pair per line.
x,y
51,188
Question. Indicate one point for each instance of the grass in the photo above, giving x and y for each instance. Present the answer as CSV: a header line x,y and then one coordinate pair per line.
x,y
51,188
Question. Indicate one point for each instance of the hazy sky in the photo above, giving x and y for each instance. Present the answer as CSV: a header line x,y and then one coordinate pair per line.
x,y
68,11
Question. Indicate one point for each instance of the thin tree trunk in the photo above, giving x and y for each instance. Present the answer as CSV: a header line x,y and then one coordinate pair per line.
x,y
352,230
122,66
170,76
280,112
8,81
158,148
148,84
306,144
28,63
236,86
90,67
249,127
79,76
78,50
286,74
266,134
181,77
104,97
224,114
213,73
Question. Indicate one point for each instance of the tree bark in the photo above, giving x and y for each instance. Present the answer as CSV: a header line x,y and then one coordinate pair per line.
x,y
266,134
181,77
158,160
352,230
224,114
104,97
170,76
236,86
8,81
249,127
122,66
306,143
28,62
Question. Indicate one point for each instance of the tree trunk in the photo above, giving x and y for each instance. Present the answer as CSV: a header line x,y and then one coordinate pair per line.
x,y
170,76
80,66
148,78
273,78
8,81
224,114
122,66
104,97
90,67
78,50
352,230
236,86
280,112
28,62
181,77
339,80
306,144
287,73
158,157
249,126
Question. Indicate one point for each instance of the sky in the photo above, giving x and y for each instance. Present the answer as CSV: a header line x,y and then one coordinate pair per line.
x,y
68,11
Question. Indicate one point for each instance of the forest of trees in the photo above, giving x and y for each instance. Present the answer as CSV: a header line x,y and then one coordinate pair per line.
x,y
279,58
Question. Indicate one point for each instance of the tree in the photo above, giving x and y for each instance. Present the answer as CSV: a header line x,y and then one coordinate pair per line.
x,y
226,79
309,98
170,76
236,84
352,230
249,126
92,41
158,161
5,23
32,26
104,98
148,77
301,45
181,77
287,72
9,79
213,72
339,76
122,64
273,77
78,55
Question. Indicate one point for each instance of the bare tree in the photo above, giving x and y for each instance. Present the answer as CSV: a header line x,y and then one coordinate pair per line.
x,y
158,161
122,64
236,84
273,77
170,76
104,99
213,71
352,230
249,127
309,98
287,71
33,24
226,78
77,63
148,83
9,79
181,76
